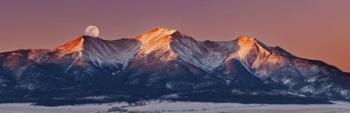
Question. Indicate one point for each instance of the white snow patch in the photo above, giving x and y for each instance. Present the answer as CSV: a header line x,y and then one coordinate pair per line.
x,y
179,107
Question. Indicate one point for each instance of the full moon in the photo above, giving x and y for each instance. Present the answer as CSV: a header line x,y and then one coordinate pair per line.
x,y
92,31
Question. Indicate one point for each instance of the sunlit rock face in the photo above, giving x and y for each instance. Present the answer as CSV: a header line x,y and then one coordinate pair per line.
x,y
156,39
165,63
76,45
157,42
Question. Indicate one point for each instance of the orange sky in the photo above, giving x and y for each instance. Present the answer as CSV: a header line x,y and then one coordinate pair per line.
x,y
315,29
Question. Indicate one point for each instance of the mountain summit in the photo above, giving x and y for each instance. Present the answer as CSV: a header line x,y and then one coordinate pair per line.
x,y
73,46
166,64
157,40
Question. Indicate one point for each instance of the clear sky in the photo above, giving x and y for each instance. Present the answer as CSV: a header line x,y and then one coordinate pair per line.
x,y
314,29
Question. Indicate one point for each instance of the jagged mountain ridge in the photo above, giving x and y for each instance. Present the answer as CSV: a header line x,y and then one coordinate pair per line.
x,y
166,62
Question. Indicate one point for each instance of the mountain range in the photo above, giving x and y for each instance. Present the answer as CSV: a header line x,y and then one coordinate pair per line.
x,y
167,64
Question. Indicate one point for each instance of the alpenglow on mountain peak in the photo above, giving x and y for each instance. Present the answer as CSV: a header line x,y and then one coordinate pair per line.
x,y
72,46
163,63
157,34
156,39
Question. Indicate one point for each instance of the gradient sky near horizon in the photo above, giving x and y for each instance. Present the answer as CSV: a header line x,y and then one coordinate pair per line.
x,y
314,29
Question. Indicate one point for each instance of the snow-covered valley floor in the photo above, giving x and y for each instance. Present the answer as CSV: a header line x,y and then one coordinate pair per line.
x,y
177,107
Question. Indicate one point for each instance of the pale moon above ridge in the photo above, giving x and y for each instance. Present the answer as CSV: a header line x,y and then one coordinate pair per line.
x,y
92,31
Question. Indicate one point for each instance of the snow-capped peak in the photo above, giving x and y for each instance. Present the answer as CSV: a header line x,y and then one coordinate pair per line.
x,y
155,34
72,46
254,54
158,39
247,43
162,62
